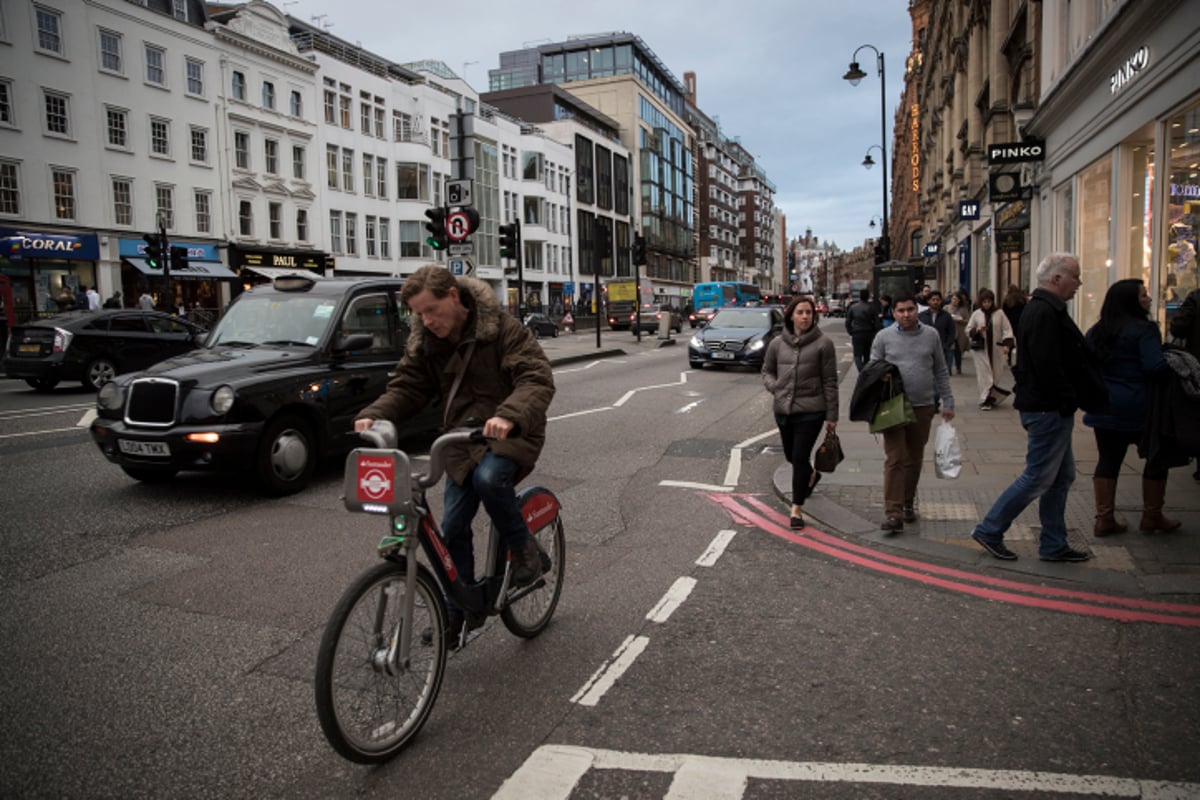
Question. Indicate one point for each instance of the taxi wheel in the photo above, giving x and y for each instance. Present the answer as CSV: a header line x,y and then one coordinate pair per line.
x,y
287,456
149,475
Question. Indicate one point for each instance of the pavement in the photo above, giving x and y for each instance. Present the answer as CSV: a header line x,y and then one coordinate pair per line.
x,y
849,501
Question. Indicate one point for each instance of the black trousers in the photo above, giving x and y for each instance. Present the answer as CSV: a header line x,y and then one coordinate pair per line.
x,y
1112,446
799,438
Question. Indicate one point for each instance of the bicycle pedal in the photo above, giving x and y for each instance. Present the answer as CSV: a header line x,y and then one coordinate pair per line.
x,y
545,559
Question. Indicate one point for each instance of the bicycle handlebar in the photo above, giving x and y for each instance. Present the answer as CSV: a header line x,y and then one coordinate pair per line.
x,y
382,434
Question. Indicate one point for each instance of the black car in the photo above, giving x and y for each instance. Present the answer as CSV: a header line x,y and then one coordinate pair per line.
x,y
274,389
94,346
541,325
736,336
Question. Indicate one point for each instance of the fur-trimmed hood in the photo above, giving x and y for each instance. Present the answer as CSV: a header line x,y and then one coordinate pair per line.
x,y
484,319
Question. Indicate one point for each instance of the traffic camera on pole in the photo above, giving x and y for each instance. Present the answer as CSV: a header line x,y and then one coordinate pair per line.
x,y
154,251
437,228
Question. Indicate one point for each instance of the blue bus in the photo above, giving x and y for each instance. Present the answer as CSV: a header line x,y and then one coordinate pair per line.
x,y
718,294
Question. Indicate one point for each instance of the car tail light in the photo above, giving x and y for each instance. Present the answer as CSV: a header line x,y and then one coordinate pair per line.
x,y
62,340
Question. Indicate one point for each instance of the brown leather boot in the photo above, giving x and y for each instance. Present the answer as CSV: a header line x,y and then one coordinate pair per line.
x,y
1106,492
1153,495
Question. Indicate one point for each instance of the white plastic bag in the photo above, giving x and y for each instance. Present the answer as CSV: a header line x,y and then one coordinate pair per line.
x,y
947,455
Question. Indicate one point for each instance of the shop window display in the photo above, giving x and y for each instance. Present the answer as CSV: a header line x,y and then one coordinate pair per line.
x,y
1179,272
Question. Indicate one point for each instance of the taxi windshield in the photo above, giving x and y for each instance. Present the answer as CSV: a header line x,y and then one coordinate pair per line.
x,y
277,320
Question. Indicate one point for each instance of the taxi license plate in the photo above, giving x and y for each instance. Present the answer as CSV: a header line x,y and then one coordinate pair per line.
x,y
722,354
131,448
30,348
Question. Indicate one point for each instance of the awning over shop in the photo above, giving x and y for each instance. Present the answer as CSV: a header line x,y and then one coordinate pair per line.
x,y
275,272
200,270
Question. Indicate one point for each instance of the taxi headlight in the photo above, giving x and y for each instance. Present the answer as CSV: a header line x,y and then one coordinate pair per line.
x,y
110,397
222,400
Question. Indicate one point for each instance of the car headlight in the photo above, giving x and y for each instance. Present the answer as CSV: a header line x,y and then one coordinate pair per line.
x,y
111,396
697,342
757,344
222,400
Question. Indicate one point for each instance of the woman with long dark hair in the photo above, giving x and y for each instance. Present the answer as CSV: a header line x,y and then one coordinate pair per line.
x,y
800,371
1129,348
992,337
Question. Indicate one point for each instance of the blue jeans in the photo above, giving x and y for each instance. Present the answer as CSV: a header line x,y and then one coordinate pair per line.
x,y
1049,473
492,484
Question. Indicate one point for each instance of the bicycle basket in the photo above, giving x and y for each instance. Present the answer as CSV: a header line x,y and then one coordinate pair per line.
x,y
378,482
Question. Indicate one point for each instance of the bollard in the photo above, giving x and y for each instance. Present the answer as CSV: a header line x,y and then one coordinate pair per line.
x,y
664,325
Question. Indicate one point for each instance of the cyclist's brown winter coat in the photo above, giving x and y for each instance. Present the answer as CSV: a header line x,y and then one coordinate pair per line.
x,y
508,376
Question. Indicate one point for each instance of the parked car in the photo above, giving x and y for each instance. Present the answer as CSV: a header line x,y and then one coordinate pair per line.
x,y
735,336
648,320
541,325
275,388
822,308
701,316
92,347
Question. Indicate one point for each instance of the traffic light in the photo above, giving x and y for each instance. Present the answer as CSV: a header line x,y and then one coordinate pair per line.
x,y
179,258
437,228
154,251
472,219
510,240
639,250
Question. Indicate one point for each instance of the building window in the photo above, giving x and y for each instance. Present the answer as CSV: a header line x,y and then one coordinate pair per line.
x,y
385,246
331,106
347,175
57,117
380,116
245,218
239,85
200,145
275,219
412,181
368,173
64,193
297,107
335,231
164,201
302,225
364,114
344,102
118,127
268,95
110,51
49,30
331,166
195,77
410,239
10,188
298,162
6,107
160,136
381,177
533,211
241,149
402,126
271,155
369,235
155,71
180,9
203,201
122,190
351,234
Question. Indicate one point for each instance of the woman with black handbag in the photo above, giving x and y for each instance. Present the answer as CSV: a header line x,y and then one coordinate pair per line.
x,y
800,372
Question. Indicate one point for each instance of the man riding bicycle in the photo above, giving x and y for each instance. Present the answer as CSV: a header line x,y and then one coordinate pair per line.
x,y
485,366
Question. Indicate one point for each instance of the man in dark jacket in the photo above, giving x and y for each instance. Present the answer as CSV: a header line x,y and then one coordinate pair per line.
x,y
488,370
862,321
1051,380
1186,326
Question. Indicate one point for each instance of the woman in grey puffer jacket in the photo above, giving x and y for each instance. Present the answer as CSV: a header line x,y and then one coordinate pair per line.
x,y
800,372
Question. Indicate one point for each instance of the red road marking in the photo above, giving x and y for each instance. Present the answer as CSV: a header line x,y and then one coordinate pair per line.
x,y
751,511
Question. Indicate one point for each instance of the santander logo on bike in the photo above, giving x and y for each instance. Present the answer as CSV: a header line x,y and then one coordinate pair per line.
x,y
539,511
374,479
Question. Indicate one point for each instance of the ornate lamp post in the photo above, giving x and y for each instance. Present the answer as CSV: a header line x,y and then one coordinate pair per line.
x,y
855,74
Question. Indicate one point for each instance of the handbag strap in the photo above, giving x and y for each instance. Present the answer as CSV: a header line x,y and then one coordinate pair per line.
x,y
466,362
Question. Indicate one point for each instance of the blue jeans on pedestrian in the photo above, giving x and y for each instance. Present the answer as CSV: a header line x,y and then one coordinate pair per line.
x,y
491,482
1049,473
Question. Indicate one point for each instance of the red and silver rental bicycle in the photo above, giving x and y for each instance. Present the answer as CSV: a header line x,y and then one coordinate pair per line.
x,y
381,659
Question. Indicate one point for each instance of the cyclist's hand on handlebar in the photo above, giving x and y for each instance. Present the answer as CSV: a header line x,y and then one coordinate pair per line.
x,y
361,425
497,427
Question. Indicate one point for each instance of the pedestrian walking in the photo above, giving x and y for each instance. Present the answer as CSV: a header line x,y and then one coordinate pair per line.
x,y
886,317
862,323
1013,305
960,312
1054,378
93,298
800,371
1129,347
81,298
917,353
146,302
114,301
992,339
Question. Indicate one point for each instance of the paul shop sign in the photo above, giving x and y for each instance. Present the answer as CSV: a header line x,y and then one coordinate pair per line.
x,y
1016,152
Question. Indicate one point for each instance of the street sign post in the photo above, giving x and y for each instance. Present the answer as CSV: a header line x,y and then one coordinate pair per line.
x,y
458,227
464,249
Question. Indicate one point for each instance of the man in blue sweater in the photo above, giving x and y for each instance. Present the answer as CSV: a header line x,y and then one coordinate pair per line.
x,y
916,351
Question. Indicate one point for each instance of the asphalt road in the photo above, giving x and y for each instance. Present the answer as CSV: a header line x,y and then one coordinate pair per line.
x,y
160,641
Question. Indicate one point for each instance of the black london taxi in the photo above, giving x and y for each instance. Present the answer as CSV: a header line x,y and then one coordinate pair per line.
x,y
274,389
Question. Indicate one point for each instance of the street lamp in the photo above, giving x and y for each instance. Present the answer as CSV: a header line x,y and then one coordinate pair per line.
x,y
855,74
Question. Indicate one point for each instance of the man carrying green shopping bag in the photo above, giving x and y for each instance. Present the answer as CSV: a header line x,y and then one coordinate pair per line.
x,y
916,351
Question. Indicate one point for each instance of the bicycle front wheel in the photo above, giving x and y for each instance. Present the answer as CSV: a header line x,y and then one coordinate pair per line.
x,y
529,613
370,703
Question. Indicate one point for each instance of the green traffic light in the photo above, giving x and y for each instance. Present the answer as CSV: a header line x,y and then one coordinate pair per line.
x,y
436,244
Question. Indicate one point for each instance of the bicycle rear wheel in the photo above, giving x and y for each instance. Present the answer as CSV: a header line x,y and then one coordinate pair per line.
x,y
370,708
529,614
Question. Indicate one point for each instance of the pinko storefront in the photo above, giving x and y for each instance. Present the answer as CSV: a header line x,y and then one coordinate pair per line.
x,y
39,263
1122,182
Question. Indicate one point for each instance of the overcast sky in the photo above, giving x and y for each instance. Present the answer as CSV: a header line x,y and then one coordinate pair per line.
x,y
770,71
